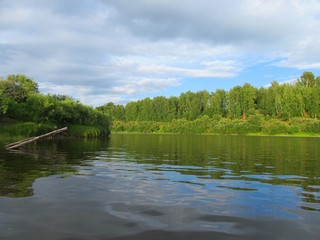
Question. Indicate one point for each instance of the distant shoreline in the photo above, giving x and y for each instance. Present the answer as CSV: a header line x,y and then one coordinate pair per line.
x,y
211,134
254,126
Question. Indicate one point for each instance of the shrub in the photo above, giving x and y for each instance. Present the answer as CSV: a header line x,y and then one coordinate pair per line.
x,y
275,126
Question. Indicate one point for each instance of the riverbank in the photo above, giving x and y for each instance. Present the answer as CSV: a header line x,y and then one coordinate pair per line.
x,y
257,126
14,130
304,135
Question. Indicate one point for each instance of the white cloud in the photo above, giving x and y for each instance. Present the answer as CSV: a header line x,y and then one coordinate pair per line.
x,y
65,89
205,69
145,85
97,50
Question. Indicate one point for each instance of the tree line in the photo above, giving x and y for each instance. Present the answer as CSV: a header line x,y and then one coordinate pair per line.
x,y
284,101
20,99
280,108
276,106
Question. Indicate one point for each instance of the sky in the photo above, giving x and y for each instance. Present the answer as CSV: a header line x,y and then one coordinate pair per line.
x,y
100,51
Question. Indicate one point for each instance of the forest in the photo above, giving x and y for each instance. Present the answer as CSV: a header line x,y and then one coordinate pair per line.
x,y
26,112
281,108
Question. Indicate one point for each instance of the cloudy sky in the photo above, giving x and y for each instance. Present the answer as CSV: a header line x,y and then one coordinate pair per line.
x,y
99,51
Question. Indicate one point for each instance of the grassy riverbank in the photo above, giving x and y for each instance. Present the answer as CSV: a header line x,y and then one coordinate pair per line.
x,y
254,126
13,130
25,112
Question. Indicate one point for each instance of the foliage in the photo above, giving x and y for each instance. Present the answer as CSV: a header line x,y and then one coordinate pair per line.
x,y
204,125
307,125
279,101
4,101
18,87
113,111
278,109
136,127
288,108
275,126
20,99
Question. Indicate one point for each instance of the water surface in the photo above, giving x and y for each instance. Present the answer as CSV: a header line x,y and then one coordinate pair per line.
x,y
162,187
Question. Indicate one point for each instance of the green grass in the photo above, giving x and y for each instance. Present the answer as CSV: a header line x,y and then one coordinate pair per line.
x,y
25,129
12,130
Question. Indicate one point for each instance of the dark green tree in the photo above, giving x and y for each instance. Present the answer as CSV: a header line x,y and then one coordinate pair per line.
x,y
146,110
132,111
217,104
115,112
18,87
4,102
234,102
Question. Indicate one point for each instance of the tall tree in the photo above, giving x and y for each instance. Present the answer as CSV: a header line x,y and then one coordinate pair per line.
x,y
292,102
173,108
307,79
132,111
115,112
161,109
4,101
234,102
146,110
217,105
249,98
18,87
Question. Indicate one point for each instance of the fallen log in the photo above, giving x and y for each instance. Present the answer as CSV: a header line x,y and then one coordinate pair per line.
x,y
15,143
33,139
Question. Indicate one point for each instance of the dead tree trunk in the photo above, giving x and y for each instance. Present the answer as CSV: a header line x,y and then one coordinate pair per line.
x,y
33,139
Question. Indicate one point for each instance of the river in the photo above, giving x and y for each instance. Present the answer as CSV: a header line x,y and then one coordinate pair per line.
x,y
132,186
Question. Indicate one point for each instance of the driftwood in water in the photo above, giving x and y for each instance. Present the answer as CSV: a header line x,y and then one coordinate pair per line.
x,y
16,143
33,139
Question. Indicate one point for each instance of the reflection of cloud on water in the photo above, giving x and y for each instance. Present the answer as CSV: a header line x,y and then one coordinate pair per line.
x,y
148,184
143,204
141,187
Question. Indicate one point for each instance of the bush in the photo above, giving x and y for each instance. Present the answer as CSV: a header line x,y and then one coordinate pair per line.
x,y
254,124
275,126
309,125
134,126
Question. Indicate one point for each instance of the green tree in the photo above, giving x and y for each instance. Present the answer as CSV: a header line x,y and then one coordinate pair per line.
x,y
292,102
160,109
204,98
312,101
264,102
276,91
132,111
146,110
249,98
234,99
217,103
307,79
173,106
4,102
115,112
18,87
192,105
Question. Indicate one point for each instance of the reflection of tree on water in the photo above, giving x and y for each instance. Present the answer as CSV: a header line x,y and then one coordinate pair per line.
x,y
270,160
20,168
275,161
